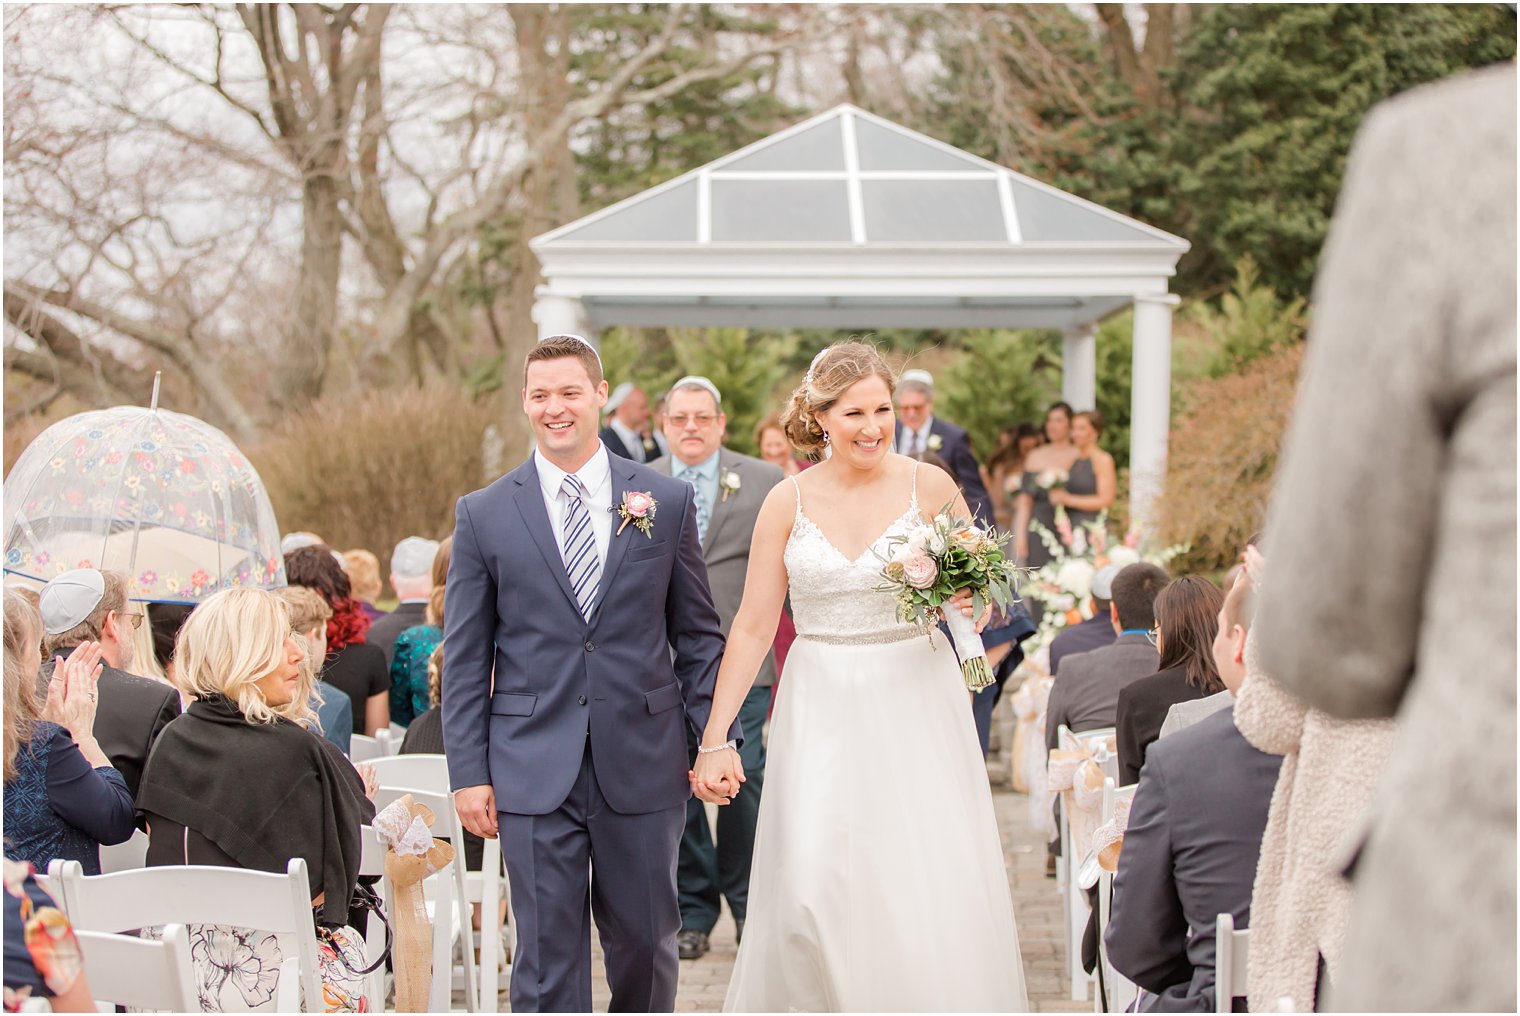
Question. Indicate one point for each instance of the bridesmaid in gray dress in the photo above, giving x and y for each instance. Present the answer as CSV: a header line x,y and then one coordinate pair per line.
x,y
1032,503
1092,480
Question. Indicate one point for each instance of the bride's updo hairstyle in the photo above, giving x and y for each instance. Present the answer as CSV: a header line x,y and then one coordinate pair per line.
x,y
833,371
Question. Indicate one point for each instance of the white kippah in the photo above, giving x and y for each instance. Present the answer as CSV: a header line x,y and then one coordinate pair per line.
x,y
413,557
581,340
619,396
923,377
698,381
70,598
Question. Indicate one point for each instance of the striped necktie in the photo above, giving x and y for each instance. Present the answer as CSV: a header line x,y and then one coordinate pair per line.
x,y
582,564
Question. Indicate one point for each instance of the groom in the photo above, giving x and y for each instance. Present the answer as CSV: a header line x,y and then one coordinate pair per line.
x,y
578,579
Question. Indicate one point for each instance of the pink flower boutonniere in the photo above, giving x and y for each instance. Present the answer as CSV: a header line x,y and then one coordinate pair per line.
x,y
638,507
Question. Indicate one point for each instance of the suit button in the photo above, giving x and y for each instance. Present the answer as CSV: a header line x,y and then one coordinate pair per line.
x,y
590,647
582,700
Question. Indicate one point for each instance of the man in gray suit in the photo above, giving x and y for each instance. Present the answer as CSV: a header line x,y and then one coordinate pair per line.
x,y
1086,694
729,489
1372,610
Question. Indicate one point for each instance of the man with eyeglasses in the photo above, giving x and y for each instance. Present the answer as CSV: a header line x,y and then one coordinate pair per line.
x,y
728,490
88,605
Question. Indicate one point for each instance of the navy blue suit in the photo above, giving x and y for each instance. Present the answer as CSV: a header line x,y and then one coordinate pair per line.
x,y
582,730
955,449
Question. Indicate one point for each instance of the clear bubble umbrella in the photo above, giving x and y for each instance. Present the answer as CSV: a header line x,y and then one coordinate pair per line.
x,y
164,497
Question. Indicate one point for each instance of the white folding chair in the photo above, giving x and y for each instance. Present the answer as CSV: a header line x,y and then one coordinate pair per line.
x,y
486,886
131,971
125,856
1120,990
199,894
1076,908
363,748
440,887
1231,958
454,899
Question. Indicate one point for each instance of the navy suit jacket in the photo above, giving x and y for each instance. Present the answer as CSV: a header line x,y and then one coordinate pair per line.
x,y
955,449
561,685
1190,854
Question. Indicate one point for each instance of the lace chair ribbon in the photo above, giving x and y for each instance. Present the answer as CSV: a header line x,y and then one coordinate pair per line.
x,y
1027,757
1108,839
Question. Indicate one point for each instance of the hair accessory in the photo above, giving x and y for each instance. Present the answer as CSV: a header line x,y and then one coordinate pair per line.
x,y
807,379
70,598
576,338
698,381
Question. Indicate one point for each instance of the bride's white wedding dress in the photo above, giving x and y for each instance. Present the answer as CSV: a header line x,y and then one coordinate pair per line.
x,y
878,880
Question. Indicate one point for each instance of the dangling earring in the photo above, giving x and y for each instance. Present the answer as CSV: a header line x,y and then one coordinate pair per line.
x,y
825,437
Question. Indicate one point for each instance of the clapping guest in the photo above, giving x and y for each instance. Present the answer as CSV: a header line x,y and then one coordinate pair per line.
x,y
414,647
86,605
1187,619
63,799
363,569
333,709
770,439
234,784
353,666
1032,504
1301,904
1091,480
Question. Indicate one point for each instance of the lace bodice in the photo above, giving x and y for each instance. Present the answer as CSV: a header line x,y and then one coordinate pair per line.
x,y
835,599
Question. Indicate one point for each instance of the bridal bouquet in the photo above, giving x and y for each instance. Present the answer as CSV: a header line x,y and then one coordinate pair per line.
x,y
925,567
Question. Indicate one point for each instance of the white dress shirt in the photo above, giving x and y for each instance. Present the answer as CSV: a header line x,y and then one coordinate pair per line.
x,y
632,439
596,477
916,440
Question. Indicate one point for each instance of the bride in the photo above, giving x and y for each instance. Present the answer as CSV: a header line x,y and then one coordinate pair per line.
x,y
878,879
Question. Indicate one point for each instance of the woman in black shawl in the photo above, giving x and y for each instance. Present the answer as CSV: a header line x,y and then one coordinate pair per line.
x,y
232,783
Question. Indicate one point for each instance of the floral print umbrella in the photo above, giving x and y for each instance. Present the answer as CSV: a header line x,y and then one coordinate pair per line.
x,y
161,496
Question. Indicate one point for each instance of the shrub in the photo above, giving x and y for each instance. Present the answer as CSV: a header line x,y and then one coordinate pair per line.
x,y
1223,456
366,469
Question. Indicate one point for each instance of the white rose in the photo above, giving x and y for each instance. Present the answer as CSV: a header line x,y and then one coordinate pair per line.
x,y
936,544
1123,556
1063,603
1075,577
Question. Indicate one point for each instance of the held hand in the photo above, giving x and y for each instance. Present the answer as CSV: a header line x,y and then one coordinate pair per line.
x,y
477,810
72,691
371,781
717,776
1058,496
963,602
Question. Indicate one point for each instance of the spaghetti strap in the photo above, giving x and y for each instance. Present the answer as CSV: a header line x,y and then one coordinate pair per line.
x,y
798,488
913,497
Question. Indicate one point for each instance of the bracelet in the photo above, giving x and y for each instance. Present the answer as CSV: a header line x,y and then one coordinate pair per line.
x,y
725,746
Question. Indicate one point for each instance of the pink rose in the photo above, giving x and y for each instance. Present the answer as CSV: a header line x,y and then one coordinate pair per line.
x,y
637,503
920,571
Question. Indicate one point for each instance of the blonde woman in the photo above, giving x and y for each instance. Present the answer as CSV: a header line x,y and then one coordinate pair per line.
x,y
873,768
235,784
62,796
363,569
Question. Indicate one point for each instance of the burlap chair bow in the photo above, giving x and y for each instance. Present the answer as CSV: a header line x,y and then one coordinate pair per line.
x,y
1077,775
1028,752
411,855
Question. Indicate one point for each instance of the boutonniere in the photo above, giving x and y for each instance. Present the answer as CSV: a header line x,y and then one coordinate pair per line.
x,y
935,442
638,507
729,482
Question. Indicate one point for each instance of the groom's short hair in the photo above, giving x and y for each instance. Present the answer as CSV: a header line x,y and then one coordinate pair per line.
x,y
556,347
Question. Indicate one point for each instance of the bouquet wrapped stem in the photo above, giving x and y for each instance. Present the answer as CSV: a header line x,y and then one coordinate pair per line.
x,y
937,559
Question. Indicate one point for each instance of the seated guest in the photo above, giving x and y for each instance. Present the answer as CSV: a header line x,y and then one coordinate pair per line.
x,y
234,784
409,661
1095,632
363,569
86,605
351,665
331,705
42,958
412,579
1086,695
166,619
62,797
1301,903
1190,854
1187,618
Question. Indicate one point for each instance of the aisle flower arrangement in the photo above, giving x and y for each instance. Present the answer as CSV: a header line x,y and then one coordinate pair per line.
x,y
1063,585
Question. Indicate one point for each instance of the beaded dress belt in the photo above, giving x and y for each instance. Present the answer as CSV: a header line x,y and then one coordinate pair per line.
x,y
868,639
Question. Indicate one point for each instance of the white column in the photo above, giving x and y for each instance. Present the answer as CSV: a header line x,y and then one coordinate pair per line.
x,y
1079,367
1150,405
560,314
